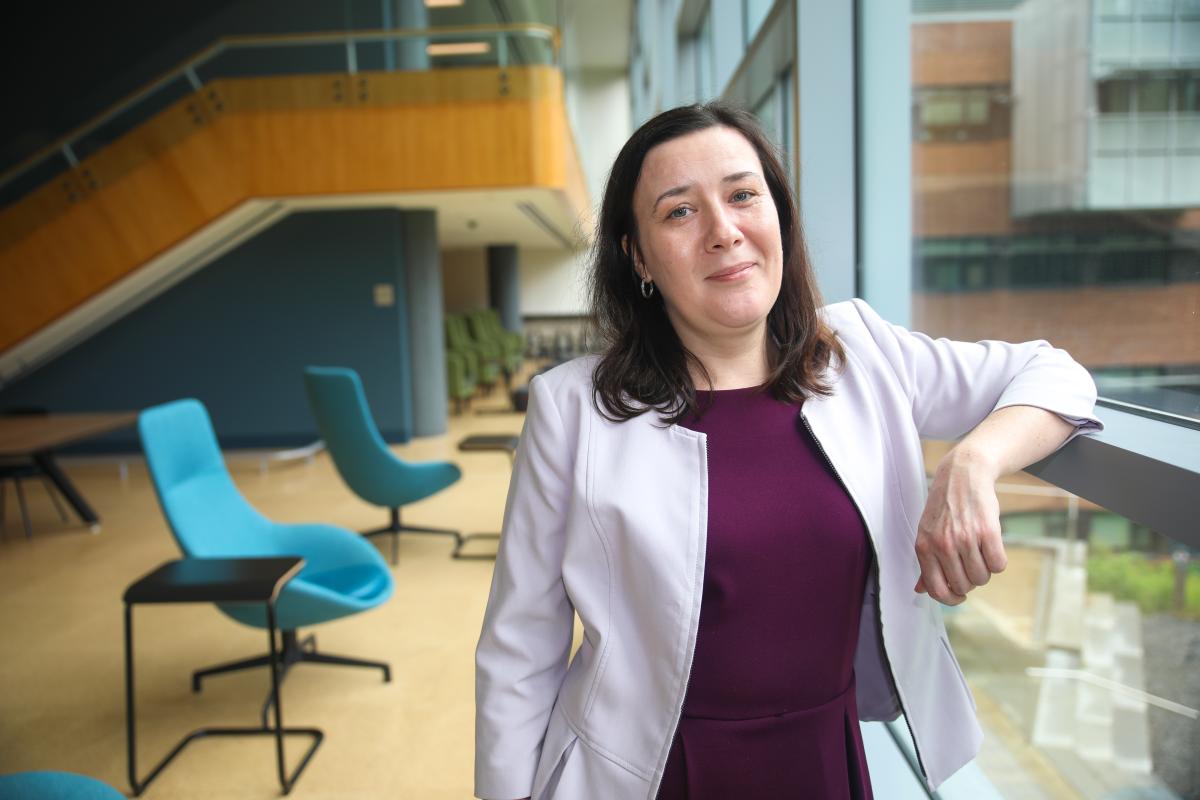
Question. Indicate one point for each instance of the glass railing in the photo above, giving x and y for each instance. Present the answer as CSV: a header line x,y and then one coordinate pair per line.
x,y
1083,655
345,52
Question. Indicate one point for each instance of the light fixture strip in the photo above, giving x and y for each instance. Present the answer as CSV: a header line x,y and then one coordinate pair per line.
x,y
458,48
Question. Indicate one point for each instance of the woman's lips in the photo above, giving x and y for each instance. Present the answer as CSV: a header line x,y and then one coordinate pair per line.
x,y
731,273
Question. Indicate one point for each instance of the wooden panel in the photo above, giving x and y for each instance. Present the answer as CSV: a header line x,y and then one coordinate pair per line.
x,y
276,138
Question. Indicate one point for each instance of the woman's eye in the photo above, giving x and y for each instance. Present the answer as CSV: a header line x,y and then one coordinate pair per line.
x,y
678,213
742,195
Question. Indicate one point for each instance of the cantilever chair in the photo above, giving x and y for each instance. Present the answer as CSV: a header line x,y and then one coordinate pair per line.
x,y
363,459
209,518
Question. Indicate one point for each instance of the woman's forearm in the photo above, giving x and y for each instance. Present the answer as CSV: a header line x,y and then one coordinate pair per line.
x,y
1010,439
958,540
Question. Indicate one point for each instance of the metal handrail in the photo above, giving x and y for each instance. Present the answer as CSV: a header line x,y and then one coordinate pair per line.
x,y
1101,682
187,70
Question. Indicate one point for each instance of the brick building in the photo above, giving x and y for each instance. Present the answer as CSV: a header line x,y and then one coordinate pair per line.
x,y
1047,202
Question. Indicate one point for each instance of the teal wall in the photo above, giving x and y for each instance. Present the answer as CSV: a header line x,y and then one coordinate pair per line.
x,y
237,334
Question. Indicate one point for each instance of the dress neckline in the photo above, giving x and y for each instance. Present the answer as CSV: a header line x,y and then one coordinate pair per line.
x,y
740,390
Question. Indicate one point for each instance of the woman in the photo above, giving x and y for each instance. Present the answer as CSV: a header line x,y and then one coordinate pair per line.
x,y
726,491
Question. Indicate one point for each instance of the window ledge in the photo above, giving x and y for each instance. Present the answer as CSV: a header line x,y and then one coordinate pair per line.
x,y
1140,468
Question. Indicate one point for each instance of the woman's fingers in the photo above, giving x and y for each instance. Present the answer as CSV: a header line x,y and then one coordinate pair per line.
x,y
934,578
956,576
992,548
958,537
973,564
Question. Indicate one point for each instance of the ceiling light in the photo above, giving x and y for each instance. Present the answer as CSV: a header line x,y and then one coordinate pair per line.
x,y
442,3
458,48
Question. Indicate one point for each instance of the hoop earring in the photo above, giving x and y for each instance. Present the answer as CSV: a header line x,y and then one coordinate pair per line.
x,y
647,292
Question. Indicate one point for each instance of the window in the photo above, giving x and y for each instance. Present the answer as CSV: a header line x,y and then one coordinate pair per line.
x,y
705,83
960,113
754,13
1115,96
1049,203
1154,95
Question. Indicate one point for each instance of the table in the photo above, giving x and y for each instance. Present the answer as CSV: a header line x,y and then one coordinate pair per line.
x,y
36,436
215,580
500,442
496,442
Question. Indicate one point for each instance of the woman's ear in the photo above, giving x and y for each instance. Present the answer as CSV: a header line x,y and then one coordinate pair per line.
x,y
638,267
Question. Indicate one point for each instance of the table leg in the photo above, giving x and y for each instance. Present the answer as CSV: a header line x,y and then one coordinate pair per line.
x,y
47,464
274,666
286,781
130,735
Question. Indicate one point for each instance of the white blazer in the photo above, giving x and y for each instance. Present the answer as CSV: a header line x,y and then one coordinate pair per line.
x,y
608,521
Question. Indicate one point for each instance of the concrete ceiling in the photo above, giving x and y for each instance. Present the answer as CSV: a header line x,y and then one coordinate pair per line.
x,y
599,33
530,218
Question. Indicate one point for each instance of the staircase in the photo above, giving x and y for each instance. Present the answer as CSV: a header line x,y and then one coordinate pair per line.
x,y
236,154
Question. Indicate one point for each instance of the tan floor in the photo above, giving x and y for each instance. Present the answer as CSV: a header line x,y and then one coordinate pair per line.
x,y
61,679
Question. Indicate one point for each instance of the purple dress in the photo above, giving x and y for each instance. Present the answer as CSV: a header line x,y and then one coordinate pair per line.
x,y
770,710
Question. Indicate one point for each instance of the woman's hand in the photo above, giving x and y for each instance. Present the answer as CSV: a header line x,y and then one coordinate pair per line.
x,y
958,537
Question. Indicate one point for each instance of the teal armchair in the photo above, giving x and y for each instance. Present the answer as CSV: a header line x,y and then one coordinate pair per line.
x,y
210,518
363,459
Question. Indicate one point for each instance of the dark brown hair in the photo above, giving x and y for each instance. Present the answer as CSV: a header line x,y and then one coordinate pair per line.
x,y
644,365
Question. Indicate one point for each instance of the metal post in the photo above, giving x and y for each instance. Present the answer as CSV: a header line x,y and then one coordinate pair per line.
x,y
501,50
274,659
69,154
193,78
351,56
1181,557
130,738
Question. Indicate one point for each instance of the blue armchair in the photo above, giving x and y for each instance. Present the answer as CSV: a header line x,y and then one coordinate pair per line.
x,y
55,785
209,518
362,457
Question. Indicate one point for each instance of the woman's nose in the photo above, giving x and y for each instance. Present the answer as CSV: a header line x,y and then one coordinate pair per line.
x,y
723,233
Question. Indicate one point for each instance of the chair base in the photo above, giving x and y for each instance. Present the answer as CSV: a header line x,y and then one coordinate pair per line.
x,y
470,537
294,651
395,529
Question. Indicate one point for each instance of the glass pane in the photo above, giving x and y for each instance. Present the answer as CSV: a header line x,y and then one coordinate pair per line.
x,y
1096,145
768,113
1188,42
1116,8
1153,95
1114,40
1154,39
1081,654
1115,96
704,58
1156,8
977,107
942,108
756,13
1189,94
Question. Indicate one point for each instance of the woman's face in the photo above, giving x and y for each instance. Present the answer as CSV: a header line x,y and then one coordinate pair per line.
x,y
708,234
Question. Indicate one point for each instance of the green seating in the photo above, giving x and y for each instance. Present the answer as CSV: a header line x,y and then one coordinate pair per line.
x,y
460,383
485,326
486,354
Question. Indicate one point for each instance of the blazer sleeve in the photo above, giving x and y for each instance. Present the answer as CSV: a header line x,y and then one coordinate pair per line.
x,y
953,385
522,653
